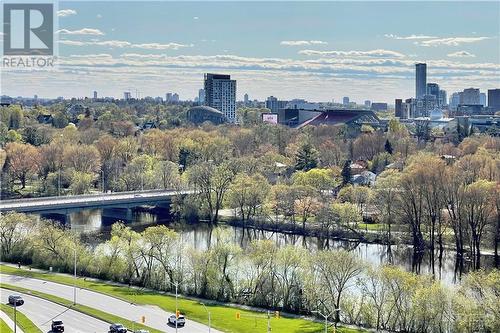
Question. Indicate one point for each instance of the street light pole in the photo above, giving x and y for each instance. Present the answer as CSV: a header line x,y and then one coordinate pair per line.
x,y
209,319
74,281
15,316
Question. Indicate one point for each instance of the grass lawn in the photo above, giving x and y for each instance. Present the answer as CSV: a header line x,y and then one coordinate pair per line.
x,y
223,317
22,321
4,328
81,308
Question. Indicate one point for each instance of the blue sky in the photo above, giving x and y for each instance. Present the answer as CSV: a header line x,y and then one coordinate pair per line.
x,y
314,50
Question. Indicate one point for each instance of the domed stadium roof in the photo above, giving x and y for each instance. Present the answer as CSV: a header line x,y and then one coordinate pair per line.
x,y
204,108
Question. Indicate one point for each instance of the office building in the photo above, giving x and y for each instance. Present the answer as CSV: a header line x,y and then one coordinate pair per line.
x,y
220,94
420,80
433,89
201,96
127,95
442,100
494,99
470,96
368,104
454,100
398,108
168,97
95,94
245,99
345,101
482,99
274,104
379,106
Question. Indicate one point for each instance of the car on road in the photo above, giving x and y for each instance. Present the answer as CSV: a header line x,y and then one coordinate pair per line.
x,y
16,300
180,321
117,328
141,331
57,326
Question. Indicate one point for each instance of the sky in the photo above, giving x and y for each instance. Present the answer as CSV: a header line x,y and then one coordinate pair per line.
x,y
318,51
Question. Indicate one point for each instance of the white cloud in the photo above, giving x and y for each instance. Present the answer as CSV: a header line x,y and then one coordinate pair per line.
x,y
379,53
66,12
410,37
124,44
99,16
84,31
461,54
195,18
451,41
302,42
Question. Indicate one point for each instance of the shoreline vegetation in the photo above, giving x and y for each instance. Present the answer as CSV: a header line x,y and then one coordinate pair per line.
x,y
288,279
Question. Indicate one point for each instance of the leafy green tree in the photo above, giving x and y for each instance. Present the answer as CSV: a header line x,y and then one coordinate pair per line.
x,y
306,157
247,194
81,182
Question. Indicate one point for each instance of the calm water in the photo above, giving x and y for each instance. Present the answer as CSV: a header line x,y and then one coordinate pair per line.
x,y
98,222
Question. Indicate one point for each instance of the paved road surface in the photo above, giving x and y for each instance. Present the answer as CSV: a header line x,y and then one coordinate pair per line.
x,y
155,317
41,313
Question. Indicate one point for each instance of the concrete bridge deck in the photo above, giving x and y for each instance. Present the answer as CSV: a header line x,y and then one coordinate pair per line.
x,y
119,199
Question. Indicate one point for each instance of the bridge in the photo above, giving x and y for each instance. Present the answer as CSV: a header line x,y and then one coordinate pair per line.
x,y
77,202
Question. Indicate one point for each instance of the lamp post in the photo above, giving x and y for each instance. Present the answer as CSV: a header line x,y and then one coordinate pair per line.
x,y
15,317
208,315
74,280
176,284
326,318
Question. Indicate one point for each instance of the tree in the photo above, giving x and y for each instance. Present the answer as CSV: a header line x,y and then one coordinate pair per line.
x,y
81,182
321,180
388,146
82,158
336,272
306,157
346,173
386,194
22,161
212,182
14,230
247,193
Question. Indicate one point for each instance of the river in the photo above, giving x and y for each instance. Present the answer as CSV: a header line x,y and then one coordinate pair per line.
x,y
97,225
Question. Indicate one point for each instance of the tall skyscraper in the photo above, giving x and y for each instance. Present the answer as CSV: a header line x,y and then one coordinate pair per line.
x,y
494,99
420,80
482,99
442,100
398,112
95,94
433,89
455,100
127,95
470,96
368,104
201,96
345,101
245,99
220,94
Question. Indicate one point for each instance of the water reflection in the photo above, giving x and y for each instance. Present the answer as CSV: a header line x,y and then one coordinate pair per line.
x,y
443,265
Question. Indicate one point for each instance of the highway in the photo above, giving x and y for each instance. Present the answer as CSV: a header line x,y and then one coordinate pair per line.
x,y
41,313
155,317
88,200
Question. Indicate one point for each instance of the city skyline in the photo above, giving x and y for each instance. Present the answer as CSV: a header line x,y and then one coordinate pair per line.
x,y
360,50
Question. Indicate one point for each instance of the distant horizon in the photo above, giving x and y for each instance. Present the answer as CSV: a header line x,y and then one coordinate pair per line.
x,y
363,50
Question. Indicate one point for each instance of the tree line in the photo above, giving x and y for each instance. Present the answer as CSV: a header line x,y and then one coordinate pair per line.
x,y
279,278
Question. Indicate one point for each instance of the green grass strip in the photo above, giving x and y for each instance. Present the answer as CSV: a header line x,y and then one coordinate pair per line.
x,y
4,328
223,317
22,321
98,314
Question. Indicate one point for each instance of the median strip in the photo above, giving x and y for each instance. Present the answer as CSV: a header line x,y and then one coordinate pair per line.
x,y
23,322
106,317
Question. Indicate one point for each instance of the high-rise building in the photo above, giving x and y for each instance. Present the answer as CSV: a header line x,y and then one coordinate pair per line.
x,y
398,110
220,94
345,101
420,80
245,99
95,94
442,100
470,96
482,99
201,96
494,99
433,89
368,103
168,97
274,104
127,95
175,98
455,100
